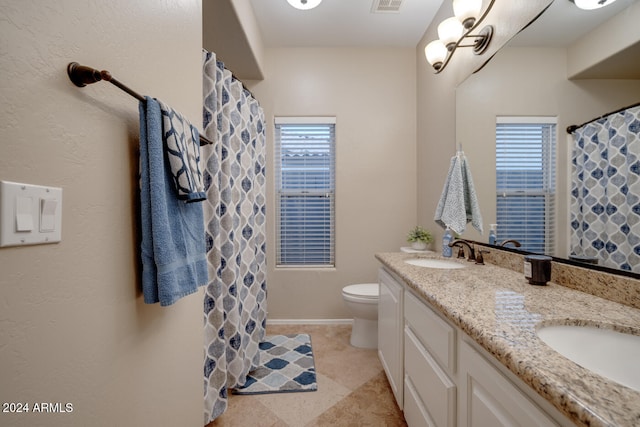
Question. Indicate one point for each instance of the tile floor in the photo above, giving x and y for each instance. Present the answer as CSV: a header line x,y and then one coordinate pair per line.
x,y
352,389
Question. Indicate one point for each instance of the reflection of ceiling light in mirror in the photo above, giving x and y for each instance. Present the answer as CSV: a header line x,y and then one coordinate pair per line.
x,y
591,4
304,4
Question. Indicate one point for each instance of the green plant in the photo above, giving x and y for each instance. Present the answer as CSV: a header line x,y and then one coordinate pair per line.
x,y
419,234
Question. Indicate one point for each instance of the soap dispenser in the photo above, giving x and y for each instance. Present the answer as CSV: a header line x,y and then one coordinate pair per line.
x,y
446,239
493,237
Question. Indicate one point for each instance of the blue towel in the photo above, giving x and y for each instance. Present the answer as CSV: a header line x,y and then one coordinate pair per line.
x,y
173,239
458,203
182,142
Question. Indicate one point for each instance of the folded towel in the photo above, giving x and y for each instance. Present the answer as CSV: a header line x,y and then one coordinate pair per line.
x,y
458,203
173,239
183,151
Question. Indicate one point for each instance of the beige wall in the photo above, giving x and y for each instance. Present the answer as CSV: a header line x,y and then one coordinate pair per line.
x,y
371,92
609,49
436,126
73,327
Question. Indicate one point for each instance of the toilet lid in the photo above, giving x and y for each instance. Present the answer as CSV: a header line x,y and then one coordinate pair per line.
x,y
364,290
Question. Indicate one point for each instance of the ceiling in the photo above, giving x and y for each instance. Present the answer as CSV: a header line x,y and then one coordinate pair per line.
x,y
351,23
343,23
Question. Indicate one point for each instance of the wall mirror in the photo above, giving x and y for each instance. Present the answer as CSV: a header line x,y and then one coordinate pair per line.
x,y
535,75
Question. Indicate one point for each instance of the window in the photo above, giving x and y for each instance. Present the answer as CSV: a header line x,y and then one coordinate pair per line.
x,y
525,181
305,191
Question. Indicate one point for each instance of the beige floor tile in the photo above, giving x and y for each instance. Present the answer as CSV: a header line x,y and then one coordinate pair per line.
x,y
372,404
334,356
352,389
243,411
296,409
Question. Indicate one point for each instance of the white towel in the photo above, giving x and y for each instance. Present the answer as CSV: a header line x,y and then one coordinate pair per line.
x,y
458,203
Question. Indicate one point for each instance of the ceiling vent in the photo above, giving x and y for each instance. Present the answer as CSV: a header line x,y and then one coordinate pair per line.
x,y
386,6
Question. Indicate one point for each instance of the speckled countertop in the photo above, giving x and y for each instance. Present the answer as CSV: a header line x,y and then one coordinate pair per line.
x,y
500,310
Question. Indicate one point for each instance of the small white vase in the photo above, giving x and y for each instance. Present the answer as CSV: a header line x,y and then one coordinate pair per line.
x,y
419,246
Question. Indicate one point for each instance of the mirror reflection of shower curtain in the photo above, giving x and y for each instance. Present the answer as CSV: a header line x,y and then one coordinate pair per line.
x,y
605,192
235,298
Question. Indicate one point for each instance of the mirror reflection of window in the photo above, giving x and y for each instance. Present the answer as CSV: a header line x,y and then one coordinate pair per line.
x,y
525,181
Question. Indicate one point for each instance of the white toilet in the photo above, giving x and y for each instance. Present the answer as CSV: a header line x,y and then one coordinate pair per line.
x,y
362,302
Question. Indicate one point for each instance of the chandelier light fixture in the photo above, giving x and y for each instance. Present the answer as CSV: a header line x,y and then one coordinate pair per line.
x,y
453,31
304,4
591,4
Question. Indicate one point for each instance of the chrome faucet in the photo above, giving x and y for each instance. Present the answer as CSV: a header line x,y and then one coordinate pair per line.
x,y
469,245
514,241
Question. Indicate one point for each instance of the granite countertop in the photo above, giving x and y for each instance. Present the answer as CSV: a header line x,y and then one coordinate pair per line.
x,y
500,310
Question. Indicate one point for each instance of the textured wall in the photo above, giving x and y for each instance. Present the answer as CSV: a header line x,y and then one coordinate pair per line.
x,y
73,328
372,94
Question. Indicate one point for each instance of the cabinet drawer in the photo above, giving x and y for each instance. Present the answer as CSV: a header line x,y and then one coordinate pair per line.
x,y
433,387
435,334
414,412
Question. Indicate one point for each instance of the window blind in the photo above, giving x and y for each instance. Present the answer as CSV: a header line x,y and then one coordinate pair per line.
x,y
525,181
305,191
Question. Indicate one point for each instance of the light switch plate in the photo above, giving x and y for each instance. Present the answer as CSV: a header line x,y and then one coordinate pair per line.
x,y
29,214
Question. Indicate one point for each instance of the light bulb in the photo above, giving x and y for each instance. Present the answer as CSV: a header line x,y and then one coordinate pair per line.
x,y
450,31
436,53
304,4
467,11
591,4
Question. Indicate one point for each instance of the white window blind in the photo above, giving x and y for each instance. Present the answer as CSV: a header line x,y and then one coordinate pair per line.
x,y
305,191
525,181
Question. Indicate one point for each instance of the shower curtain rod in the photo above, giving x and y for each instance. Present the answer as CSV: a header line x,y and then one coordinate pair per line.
x,y
81,75
573,128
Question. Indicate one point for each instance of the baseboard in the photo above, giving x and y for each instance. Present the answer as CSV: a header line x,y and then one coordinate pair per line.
x,y
309,321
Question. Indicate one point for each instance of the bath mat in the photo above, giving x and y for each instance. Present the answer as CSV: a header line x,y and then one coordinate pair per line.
x,y
286,366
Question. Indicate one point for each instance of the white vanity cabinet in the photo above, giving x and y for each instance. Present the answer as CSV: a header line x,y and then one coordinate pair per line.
x,y
449,380
390,322
430,391
488,398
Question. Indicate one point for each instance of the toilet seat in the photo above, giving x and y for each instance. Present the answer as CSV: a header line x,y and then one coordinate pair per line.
x,y
364,291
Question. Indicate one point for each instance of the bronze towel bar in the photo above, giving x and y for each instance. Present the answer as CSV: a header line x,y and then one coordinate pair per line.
x,y
81,75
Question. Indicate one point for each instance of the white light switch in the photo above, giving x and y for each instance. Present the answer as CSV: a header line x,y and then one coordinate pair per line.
x,y
24,215
48,215
29,214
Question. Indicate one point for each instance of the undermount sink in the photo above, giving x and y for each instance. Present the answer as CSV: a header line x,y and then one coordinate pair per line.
x,y
434,263
606,352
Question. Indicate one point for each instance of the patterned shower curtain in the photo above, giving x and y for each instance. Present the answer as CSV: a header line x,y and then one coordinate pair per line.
x,y
605,193
235,299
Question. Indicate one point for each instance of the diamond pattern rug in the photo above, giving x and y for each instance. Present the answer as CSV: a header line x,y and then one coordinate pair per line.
x,y
286,365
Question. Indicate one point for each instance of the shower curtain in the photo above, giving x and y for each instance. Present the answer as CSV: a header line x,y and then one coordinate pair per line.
x,y
234,213
605,193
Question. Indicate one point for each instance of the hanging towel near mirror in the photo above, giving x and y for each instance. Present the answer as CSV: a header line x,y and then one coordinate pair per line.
x,y
458,203
173,249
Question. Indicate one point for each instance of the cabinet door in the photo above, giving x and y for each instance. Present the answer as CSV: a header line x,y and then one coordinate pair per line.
x,y
490,399
390,342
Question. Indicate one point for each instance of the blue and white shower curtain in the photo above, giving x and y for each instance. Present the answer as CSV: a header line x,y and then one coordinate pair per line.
x,y
605,193
235,307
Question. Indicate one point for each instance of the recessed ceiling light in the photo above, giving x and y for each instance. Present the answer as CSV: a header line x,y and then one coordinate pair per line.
x,y
304,4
